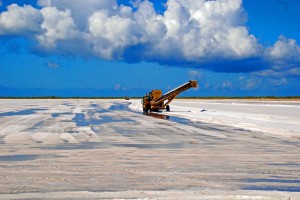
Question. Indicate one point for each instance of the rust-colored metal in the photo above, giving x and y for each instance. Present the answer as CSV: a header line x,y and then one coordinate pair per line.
x,y
155,100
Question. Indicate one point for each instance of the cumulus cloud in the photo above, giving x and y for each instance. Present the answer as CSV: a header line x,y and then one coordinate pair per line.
x,y
202,34
284,50
193,74
57,25
80,10
283,57
111,33
20,20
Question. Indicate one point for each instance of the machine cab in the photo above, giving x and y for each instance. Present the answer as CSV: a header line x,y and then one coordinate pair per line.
x,y
156,94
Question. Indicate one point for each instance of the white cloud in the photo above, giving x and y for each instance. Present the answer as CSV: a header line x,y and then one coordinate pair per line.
x,y
114,32
209,29
193,74
227,84
279,82
20,20
284,57
117,87
252,83
57,25
111,33
80,10
188,33
192,30
278,73
285,50
53,64
44,2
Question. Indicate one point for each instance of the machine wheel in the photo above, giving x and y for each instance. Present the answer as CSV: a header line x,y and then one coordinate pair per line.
x,y
147,108
167,108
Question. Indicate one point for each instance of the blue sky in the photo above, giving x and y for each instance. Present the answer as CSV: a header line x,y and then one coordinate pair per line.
x,y
126,48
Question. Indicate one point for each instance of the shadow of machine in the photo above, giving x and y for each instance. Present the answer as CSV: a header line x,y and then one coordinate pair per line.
x,y
155,100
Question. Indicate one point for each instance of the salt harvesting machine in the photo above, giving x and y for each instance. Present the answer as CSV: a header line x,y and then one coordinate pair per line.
x,y
155,100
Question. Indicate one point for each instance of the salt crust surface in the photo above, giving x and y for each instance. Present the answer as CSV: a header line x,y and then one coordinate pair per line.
x,y
85,149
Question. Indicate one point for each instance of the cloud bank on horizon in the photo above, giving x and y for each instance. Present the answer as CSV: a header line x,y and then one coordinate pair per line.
x,y
202,34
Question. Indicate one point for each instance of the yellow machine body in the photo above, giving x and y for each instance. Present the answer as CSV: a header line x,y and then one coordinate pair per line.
x,y
155,100
156,94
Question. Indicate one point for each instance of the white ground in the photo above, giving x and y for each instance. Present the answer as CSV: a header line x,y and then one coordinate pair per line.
x,y
274,117
98,149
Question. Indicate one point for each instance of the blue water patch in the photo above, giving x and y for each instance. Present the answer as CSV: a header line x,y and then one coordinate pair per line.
x,y
67,104
274,188
83,145
22,112
80,120
55,115
26,157
273,181
120,106
97,145
35,127
152,146
18,157
158,115
286,164
267,187
184,121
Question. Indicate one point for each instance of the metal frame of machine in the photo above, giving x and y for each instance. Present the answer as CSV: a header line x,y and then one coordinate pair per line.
x,y
155,100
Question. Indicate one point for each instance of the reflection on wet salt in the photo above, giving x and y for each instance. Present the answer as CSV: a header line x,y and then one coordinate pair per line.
x,y
83,145
120,106
200,125
271,185
22,112
274,188
97,145
55,115
272,181
154,146
80,120
170,118
124,107
18,157
27,157
285,164
67,104
158,116
35,127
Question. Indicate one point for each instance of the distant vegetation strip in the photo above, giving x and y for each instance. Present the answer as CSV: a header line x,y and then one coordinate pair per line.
x,y
56,97
192,97
244,97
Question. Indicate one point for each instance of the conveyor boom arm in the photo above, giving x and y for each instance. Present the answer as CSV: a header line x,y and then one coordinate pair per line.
x,y
173,93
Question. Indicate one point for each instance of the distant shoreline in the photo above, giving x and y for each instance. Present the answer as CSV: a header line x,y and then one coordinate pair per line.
x,y
201,98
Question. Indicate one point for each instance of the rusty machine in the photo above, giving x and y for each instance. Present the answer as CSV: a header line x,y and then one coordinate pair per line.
x,y
155,100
